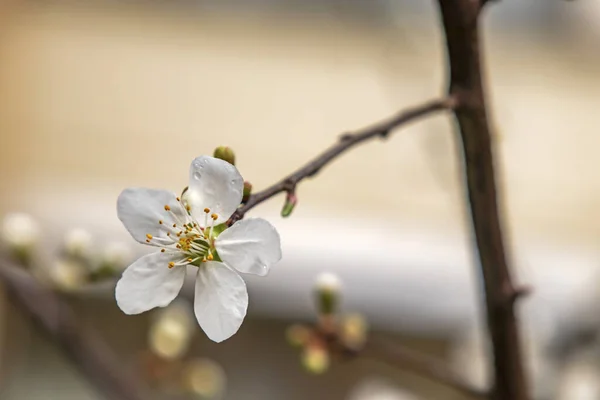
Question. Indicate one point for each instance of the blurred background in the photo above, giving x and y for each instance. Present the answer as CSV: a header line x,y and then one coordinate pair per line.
x,y
97,96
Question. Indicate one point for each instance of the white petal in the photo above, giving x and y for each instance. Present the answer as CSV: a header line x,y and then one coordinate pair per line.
x,y
221,300
141,209
149,283
250,246
214,184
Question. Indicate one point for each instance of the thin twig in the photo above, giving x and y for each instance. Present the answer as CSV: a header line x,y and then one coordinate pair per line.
x,y
93,357
460,20
413,361
346,142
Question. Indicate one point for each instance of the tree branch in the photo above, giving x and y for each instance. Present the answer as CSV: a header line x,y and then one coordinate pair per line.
x,y
93,357
460,19
421,364
346,142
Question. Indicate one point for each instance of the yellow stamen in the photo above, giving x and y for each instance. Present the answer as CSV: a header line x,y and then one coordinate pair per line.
x,y
178,199
207,210
167,208
149,236
214,216
171,264
210,257
174,225
160,221
162,250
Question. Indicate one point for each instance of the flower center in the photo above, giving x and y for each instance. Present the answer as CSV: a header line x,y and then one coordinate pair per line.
x,y
186,237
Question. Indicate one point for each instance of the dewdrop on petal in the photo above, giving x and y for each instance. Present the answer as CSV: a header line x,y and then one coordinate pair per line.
x,y
78,243
20,233
170,334
204,379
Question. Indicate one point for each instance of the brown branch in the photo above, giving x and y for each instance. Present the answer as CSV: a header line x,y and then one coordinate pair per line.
x,y
346,142
413,361
93,357
460,19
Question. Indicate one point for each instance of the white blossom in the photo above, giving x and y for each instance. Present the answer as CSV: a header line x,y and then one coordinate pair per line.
x,y
78,242
185,232
116,254
68,275
20,230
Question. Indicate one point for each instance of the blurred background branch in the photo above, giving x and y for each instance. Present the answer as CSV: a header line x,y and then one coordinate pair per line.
x,y
83,346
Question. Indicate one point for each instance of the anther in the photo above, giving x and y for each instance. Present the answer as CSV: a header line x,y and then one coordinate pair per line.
x,y
167,208
149,236
214,216
168,233
171,264
210,257
174,225
162,250
160,221
189,260
207,210
147,240
178,199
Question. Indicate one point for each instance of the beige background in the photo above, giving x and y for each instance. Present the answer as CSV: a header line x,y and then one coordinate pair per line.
x,y
94,99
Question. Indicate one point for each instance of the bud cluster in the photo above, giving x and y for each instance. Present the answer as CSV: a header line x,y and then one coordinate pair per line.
x,y
333,334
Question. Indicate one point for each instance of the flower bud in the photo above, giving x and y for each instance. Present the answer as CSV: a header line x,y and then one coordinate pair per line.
x,y
225,153
354,330
20,233
78,243
315,359
327,288
113,260
68,275
247,191
204,379
288,206
298,335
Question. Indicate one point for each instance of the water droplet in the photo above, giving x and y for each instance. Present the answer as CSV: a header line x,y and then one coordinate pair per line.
x,y
197,175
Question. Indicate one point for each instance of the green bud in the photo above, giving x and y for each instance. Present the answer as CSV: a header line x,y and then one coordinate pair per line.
x,y
225,153
288,206
327,288
247,191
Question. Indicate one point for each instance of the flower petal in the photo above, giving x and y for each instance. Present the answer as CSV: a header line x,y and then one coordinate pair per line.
x,y
250,246
141,209
214,184
221,300
149,283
